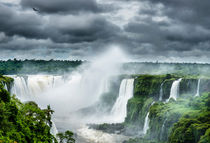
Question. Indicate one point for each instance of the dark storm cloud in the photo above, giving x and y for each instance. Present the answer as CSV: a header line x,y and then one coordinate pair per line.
x,y
164,28
62,6
62,29
27,25
189,11
171,27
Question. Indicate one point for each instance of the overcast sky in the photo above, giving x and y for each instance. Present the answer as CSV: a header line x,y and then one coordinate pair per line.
x,y
148,30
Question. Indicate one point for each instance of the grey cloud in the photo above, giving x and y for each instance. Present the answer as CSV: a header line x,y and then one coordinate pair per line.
x,y
62,6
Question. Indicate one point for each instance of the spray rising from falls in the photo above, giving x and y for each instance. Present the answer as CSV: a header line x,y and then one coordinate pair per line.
x,y
198,88
174,93
119,110
83,88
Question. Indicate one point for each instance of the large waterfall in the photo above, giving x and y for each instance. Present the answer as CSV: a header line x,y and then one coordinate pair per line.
x,y
198,88
30,86
119,110
174,89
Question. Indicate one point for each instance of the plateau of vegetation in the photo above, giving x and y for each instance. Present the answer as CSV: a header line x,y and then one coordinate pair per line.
x,y
37,66
186,120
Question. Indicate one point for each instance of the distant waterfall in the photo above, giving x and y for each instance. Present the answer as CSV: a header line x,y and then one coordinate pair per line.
x,y
175,89
146,121
198,88
162,129
30,86
161,92
119,110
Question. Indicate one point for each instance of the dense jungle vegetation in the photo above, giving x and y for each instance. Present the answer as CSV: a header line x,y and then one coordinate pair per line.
x,y
37,66
186,120
25,122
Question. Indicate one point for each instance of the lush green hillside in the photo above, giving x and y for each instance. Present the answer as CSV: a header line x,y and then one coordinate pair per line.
x,y
186,120
25,122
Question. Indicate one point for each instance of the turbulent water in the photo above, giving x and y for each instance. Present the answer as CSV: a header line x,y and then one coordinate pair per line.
x,y
198,88
174,93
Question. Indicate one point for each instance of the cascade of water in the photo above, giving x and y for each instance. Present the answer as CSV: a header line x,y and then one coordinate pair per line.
x,y
146,121
198,88
20,87
175,89
119,109
161,92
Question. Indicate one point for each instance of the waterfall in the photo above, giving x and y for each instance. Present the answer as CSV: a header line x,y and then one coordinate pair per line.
x,y
161,92
32,85
198,88
119,110
146,124
174,89
146,121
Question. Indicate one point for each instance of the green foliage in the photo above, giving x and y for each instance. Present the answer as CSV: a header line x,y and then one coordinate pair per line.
x,y
22,122
186,120
194,124
66,137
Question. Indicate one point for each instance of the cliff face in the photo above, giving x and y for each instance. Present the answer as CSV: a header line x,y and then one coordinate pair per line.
x,y
166,117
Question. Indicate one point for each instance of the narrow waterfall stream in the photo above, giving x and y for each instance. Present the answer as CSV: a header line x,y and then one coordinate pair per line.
x,y
146,121
198,88
162,129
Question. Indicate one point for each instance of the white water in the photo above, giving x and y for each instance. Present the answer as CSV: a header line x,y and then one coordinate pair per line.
x,y
174,93
198,88
146,121
95,136
119,110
